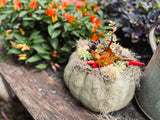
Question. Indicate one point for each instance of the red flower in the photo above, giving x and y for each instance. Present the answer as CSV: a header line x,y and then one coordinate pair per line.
x,y
12,39
134,63
33,4
78,7
17,5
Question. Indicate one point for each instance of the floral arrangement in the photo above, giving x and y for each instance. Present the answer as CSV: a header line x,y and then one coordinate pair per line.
x,y
45,32
106,52
102,74
133,18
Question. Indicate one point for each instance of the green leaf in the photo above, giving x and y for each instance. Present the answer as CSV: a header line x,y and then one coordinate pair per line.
x,y
66,48
34,58
19,38
39,11
50,29
46,57
76,33
23,13
67,26
7,12
56,33
46,46
2,17
41,2
39,40
28,18
54,43
65,34
4,57
41,66
28,24
37,17
72,43
14,17
58,24
14,51
40,50
62,60
33,35
100,13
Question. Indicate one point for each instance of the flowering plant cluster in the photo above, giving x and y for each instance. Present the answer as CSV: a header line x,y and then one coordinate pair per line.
x,y
45,31
133,17
106,51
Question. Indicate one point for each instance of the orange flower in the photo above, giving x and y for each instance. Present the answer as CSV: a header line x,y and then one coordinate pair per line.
x,y
93,18
51,12
66,3
94,37
7,32
94,29
87,13
54,55
64,14
12,46
97,23
2,2
33,4
20,46
70,18
22,31
97,8
17,5
0,22
101,33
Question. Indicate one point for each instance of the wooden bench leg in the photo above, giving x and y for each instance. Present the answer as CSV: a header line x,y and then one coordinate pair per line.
x,y
6,92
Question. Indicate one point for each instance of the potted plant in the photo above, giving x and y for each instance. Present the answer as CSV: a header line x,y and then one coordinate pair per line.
x,y
102,74
44,32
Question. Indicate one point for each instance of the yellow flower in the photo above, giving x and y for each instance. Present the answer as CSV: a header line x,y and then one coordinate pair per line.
x,y
22,57
54,18
25,48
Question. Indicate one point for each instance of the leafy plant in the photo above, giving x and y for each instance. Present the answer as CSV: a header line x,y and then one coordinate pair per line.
x,y
133,18
45,31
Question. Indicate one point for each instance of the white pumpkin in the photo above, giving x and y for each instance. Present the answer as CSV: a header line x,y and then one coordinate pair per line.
x,y
96,93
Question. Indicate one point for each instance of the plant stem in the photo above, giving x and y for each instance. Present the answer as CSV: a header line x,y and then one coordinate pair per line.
x,y
111,37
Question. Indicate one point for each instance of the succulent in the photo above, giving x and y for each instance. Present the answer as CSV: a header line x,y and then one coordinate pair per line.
x,y
85,55
106,58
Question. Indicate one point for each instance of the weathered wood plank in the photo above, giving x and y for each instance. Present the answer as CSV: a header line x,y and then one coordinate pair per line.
x,y
44,97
